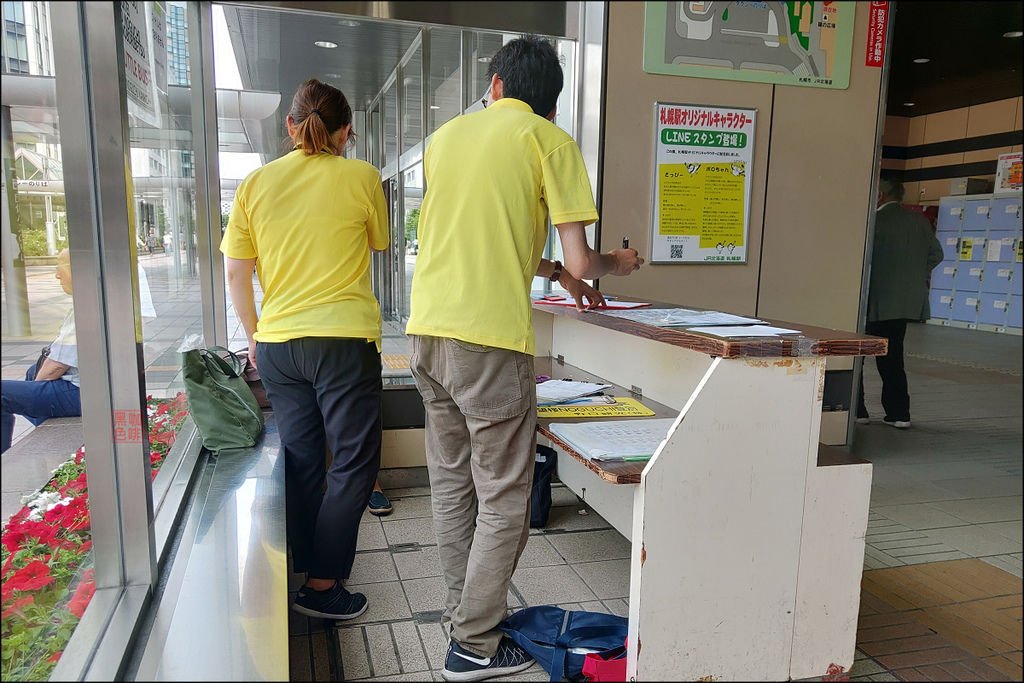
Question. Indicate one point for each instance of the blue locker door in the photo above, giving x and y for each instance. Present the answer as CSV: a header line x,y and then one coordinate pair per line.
x,y
972,246
950,246
1016,279
992,309
976,214
942,276
996,279
999,246
1013,315
940,301
968,277
965,307
950,210
1005,214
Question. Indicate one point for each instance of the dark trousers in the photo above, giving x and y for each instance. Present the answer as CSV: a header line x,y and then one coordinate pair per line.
x,y
325,392
895,395
36,401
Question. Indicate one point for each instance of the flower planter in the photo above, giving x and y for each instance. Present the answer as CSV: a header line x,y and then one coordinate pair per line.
x,y
47,577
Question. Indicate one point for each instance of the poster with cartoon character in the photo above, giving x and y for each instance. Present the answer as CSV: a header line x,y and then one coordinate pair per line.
x,y
702,166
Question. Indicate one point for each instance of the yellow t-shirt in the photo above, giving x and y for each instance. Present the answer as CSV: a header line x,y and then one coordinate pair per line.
x,y
492,178
310,222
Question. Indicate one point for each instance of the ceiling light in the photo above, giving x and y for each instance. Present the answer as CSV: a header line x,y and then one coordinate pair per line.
x,y
922,60
484,60
908,104
333,75
325,44
1013,34
434,106
348,23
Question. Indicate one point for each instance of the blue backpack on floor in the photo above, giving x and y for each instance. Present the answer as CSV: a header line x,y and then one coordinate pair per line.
x,y
560,640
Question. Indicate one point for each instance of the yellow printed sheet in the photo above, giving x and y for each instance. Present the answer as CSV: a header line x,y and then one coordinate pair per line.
x,y
623,407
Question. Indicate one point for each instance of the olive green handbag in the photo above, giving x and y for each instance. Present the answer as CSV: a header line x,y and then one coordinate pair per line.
x,y
219,400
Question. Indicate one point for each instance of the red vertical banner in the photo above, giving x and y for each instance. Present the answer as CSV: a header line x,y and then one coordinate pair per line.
x,y
878,26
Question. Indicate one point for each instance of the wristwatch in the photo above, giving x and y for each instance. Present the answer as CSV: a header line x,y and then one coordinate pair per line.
x,y
558,272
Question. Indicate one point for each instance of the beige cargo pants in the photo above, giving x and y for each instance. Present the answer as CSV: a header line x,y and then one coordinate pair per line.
x,y
481,420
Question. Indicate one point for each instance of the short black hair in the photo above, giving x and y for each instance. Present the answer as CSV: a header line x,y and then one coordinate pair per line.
x,y
530,70
891,186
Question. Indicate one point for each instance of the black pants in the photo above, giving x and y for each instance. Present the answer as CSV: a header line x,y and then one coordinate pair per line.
x,y
895,395
325,392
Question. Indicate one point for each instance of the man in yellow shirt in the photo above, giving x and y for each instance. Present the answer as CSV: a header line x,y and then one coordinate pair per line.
x,y
493,178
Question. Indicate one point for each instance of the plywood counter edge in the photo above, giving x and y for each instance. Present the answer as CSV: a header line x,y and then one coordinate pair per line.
x,y
813,341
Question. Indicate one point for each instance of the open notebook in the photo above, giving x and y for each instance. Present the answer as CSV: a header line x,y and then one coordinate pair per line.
x,y
614,440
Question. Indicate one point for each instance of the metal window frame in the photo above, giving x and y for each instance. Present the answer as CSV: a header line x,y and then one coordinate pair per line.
x,y
94,125
133,516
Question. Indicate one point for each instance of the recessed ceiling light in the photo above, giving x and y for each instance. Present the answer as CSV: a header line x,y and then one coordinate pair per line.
x,y
908,104
325,44
333,75
484,60
348,23
922,60
1013,34
434,106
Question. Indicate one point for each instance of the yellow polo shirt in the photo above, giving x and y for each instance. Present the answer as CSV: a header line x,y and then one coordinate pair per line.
x,y
310,222
492,177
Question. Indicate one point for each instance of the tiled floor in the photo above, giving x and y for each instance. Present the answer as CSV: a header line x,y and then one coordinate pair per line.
x,y
946,491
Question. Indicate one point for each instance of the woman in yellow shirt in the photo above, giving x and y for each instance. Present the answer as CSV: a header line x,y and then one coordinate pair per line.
x,y
306,223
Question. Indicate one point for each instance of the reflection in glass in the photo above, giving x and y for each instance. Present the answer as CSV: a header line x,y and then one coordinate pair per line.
x,y
391,125
445,89
412,102
483,45
47,541
412,196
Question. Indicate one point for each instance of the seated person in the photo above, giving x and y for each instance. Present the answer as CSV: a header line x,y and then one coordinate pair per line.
x,y
51,387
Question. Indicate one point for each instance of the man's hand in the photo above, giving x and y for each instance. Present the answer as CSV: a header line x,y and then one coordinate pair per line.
x,y
626,261
580,290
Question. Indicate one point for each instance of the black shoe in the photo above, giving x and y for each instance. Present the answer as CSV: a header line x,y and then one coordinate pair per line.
x,y
379,504
333,603
462,665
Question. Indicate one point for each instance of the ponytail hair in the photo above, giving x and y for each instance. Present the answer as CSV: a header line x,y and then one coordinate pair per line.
x,y
318,111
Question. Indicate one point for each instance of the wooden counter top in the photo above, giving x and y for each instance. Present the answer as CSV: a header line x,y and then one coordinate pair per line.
x,y
812,341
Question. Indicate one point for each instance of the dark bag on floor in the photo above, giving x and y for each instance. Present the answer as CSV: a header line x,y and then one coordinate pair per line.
x,y
559,640
540,495
219,400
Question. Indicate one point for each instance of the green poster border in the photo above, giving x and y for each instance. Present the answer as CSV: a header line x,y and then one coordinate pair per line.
x,y
654,49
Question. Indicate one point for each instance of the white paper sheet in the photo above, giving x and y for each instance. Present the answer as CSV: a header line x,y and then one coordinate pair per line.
x,y
562,390
747,331
615,439
681,317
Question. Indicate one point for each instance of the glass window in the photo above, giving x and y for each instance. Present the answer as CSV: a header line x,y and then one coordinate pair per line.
x,y
391,125
444,92
412,102
412,198
47,541
483,45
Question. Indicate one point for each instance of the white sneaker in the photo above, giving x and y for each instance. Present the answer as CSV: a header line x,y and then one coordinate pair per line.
x,y
898,424
863,420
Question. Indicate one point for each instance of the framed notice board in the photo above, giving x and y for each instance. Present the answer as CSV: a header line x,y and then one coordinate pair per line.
x,y
703,159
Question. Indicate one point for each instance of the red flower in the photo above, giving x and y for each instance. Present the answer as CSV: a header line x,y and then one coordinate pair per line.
x,y
83,594
32,576
85,547
16,606
79,456
55,656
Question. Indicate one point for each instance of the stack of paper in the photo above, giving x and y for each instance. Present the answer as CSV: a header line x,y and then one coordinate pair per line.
x,y
681,317
561,390
747,331
615,440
